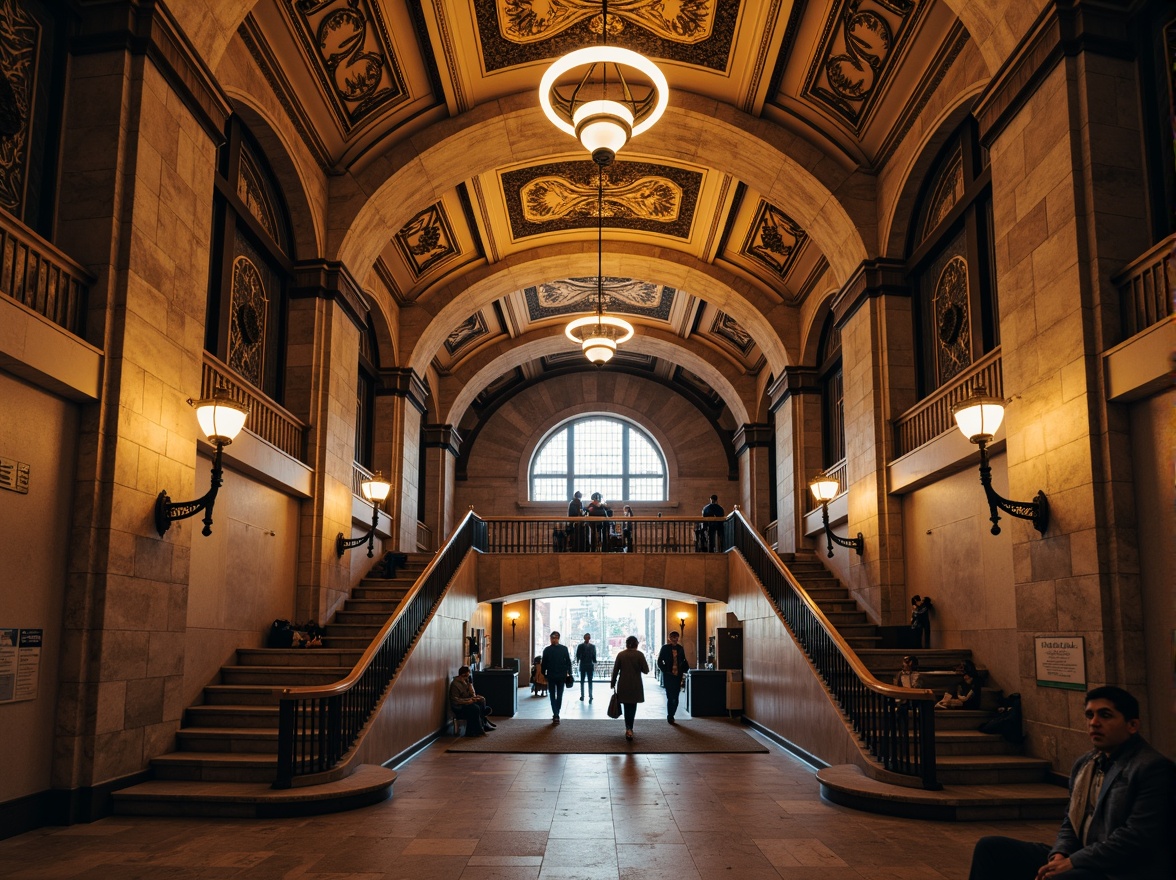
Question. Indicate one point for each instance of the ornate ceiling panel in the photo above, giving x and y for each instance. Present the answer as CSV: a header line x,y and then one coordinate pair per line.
x,y
624,295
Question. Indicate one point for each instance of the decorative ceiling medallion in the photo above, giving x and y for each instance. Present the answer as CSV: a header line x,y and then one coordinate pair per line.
x,y
18,63
353,56
774,239
694,32
624,295
729,330
637,195
466,332
860,39
426,240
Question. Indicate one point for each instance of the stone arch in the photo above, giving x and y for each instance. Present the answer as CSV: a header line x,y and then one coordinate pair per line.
x,y
834,204
497,360
433,318
997,26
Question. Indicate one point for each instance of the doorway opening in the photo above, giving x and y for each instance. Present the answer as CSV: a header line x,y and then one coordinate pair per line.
x,y
610,620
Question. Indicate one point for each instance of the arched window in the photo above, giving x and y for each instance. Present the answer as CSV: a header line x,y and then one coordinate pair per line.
x,y
598,454
951,263
251,265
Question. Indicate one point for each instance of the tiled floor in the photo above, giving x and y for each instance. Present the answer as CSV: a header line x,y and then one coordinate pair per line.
x,y
552,817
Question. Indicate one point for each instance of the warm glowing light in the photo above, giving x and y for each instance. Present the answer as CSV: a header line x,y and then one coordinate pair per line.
x,y
375,489
221,418
979,416
824,487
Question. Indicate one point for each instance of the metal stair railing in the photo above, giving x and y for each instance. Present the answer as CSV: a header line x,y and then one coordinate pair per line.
x,y
318,726
896,724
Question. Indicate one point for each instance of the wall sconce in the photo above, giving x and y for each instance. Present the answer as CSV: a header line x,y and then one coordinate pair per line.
x,y
221,419
978,417
682,622
824,489
514,618
375,490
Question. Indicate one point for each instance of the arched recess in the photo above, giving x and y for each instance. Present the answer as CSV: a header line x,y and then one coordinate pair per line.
x,y
895,228
498,360
832,204
306,220
766,318
566,581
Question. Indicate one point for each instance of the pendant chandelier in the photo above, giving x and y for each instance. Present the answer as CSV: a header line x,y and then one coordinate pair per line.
x,y
603,110
598,335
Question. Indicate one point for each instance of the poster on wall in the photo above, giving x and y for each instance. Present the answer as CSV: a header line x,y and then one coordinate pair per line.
x,y
1061,662
20,663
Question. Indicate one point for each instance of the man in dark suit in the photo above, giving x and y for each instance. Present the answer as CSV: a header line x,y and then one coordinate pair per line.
x,y
671,660
586,660
1119,822
714,530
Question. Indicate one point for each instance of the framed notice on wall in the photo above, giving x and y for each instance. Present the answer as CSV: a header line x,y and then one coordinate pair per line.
x,y
1061,662
20,663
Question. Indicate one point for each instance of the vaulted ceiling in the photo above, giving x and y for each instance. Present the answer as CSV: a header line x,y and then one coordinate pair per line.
x,y
830,85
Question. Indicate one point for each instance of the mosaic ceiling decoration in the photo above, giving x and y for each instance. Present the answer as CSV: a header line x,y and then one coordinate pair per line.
x,y
426,240
352,54
466,332
730,331
695,32
637,195
860,39
627,295
774,239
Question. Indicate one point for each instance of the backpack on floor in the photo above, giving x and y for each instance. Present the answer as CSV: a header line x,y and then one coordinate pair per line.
x,y
281,634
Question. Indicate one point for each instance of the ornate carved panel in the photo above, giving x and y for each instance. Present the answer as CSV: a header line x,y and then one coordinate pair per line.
x,y
351,51
626,295
247,324
951,313
637,195
730,331
695,32
20,40
466,332
860,40
774,239
426,240
253,191
949,189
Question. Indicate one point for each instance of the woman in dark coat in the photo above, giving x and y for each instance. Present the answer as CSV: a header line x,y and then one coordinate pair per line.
x,y
628,669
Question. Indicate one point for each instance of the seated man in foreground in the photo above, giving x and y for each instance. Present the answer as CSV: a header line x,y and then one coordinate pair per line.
x,y
1119,821
468,705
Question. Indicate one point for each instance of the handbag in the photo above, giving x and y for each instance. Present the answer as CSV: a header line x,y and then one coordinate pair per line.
x,y
614,706
570,680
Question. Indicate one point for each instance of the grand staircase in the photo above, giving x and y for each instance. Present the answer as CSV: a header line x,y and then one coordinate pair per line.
x,y
983,776
226,750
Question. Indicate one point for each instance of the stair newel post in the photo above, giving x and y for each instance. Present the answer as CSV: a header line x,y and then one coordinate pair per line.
x,y
285,776
926,719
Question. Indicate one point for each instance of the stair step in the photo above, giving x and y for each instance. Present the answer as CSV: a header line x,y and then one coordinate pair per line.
x,y
844,619
362,618
371,606
989,769
386,594
369,784
862,643
239,695
847,785
890,659
283,676
349,643
857,630
238,717
972,742
237,740
299,657
960,719
216,767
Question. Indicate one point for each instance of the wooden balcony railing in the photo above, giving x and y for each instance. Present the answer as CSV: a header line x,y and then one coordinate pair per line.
x,y
590,534
424,537
772,534
266,419
37,275
932,416
1146,288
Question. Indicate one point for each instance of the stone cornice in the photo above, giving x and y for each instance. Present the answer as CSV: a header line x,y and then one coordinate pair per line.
x,y
754,435
871,279
794,380
443,437
1064,28
403,382
146,27
329,279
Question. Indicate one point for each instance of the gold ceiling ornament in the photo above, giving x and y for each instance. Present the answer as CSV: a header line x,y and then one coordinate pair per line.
x,y
599,335
603,109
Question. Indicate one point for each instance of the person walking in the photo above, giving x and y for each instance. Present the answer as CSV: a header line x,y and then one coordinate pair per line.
x,y
557,669
627,680
586,660
714,529
671,660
